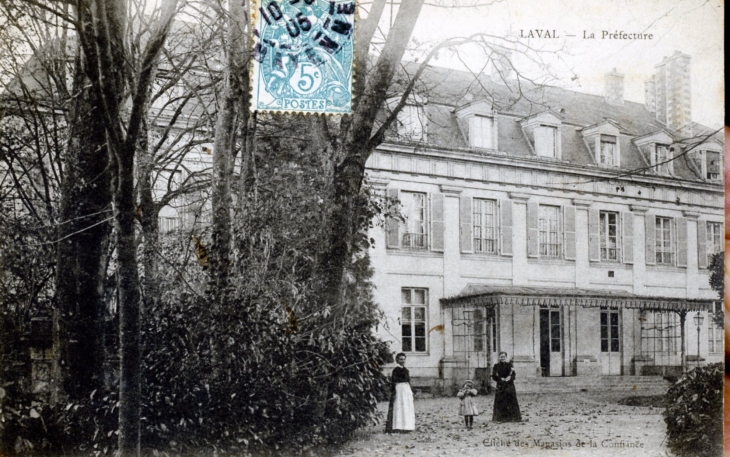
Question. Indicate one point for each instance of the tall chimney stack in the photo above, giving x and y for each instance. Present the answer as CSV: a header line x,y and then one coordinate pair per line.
x,y
614,88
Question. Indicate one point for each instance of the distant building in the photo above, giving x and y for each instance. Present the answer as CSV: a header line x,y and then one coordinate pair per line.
x,y
573,232
668,92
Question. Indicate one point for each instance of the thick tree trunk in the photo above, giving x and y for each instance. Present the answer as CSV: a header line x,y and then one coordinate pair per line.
x,y
84,229
233,108
349,173
147,212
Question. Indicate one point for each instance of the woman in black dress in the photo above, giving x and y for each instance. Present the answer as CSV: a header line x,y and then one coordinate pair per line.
x,y
506,408
401,415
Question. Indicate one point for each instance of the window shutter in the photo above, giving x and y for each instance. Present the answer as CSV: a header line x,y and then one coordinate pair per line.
x,y
392,224
532,230
681,242
702,244
437,222
627,235
650,239
465,217
594,235
505,232
569,232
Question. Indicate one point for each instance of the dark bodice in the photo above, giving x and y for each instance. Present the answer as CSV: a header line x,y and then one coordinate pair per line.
x,y
400,374
503,370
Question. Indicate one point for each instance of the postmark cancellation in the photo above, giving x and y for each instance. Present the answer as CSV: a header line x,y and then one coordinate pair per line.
x,y
303,56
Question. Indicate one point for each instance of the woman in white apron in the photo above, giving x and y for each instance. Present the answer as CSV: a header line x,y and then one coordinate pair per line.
x,y
401,415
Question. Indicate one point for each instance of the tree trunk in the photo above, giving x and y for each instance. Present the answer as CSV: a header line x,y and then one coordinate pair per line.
x,y
147,211
349,173
232,108
84,227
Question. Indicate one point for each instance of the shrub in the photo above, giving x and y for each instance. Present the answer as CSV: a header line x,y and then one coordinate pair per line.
x,y
694,413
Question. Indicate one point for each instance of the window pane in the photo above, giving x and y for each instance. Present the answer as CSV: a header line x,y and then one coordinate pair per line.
x,y
604,345
420,329
614,346
406,345
406,314
420,345
419,297
419,313
406,293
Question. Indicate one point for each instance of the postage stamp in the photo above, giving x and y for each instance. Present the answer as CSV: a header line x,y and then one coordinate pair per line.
x,y
303,56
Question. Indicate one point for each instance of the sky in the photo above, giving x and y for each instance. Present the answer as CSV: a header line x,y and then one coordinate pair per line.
x,y
693,27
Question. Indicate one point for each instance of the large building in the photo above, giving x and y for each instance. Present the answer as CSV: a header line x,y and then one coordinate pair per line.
x,y
572,231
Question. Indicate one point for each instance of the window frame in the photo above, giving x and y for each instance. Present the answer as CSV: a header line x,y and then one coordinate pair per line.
x,y
604,236
715,239
554,130
479,206
415,240
614,153
715,332
610,333
410,116
667,167
546,249
664,249
478,132
412,322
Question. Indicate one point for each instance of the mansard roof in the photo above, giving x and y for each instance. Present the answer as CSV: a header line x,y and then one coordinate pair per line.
x,y
450,91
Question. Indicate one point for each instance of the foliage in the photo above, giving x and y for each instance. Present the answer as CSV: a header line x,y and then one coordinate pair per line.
x,y
717,282
694,413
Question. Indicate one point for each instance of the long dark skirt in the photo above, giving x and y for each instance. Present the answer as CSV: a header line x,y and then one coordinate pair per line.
x,y
506,408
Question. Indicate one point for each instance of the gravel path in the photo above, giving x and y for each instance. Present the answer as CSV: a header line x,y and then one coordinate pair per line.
x,y
576,424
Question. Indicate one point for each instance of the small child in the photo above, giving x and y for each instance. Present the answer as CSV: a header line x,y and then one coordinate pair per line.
x,y
468,407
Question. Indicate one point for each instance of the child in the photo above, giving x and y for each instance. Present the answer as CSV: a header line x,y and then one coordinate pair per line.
x,y
468,407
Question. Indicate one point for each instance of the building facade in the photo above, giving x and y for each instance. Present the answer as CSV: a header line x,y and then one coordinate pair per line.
x,y
572,231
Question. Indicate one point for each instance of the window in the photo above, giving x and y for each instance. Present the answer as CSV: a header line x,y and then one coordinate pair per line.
x,y
546,139
478,331
413,319
554,319
549,231
607,154
485,226
660,336
610,340
714,240
714,333
609,236
661,159
480,132
713,165
412,123
168,224
664,241
414,210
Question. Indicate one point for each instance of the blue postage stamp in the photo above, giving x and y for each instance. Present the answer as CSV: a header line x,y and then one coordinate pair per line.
x,y
303,55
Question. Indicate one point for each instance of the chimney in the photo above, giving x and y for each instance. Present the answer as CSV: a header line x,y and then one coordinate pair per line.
x,y
614,88
650,94
668,92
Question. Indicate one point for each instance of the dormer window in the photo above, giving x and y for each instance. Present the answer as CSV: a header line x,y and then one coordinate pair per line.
x,y
658,150
412,123
608,150
478,123
661,159
480,132
543,133
708,163
546,141
603,142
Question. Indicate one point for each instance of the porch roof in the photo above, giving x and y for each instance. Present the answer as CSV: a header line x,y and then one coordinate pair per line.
x,y
481,295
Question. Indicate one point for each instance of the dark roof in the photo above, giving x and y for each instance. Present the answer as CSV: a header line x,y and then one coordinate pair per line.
x,y
447,90
482,295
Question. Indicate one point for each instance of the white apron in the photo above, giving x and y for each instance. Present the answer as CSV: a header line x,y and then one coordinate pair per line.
x,y
404,416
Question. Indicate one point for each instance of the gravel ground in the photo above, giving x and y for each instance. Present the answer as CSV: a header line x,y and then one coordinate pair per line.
x,y
574,424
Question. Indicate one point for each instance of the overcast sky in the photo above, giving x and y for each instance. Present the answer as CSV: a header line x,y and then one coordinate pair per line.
x,y
694,27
